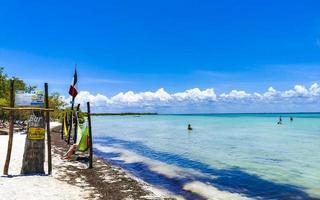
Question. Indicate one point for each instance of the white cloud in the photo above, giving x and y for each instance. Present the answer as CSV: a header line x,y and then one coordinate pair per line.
x,y
235,94
196,95
84,96
133,98
128,97
159,95
257,95
314,89
271,93
302,91
198,98
289,93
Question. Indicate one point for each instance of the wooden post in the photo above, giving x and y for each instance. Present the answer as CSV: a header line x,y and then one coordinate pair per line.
x,y
71,125
71,119
9,149
46,99
90,136
72,103
76,124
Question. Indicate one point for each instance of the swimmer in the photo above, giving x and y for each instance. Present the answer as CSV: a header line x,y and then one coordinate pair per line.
x,y
189,127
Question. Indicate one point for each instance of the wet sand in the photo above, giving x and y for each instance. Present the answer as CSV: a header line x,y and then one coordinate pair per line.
x,y
105,180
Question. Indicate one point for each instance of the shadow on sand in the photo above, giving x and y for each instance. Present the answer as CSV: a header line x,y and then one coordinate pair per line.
x,y
234,180
22,175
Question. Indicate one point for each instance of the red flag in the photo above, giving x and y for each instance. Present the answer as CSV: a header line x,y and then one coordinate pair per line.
x,y
73,90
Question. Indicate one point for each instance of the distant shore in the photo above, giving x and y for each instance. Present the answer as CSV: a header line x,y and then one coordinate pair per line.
x,y
123,114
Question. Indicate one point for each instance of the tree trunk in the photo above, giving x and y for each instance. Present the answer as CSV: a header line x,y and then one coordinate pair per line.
x,y
34,151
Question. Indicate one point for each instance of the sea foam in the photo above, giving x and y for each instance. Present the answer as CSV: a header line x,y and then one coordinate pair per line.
x,y
210,192
168,170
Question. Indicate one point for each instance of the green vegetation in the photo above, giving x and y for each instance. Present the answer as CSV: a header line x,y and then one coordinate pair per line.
x,y
5,93
5,87
55,101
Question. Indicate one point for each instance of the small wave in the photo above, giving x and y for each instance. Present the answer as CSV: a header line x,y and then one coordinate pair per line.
x,y
173,172
210,192
170,171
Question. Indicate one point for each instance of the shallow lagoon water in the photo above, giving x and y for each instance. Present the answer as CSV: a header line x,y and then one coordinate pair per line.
x,y
242,155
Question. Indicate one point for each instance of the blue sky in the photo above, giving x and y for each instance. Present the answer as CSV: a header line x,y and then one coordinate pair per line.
x,y
176,45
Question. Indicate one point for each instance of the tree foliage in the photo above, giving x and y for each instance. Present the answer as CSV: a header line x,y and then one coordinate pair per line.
x,y
5,87
55,101
58,104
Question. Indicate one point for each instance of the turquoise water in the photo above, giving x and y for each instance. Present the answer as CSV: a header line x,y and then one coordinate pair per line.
x,y
246,155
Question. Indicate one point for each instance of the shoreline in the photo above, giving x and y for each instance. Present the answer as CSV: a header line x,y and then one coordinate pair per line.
x,y
71,179
123,184
107,180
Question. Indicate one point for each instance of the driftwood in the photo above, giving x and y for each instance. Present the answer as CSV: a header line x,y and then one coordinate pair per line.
x,y
34,151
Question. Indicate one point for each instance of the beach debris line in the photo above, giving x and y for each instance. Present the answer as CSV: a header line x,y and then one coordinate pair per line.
x,y
33,159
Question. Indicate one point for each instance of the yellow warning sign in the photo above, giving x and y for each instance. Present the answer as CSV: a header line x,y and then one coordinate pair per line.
x,y
36,133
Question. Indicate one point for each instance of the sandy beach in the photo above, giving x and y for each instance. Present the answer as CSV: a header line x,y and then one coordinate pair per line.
x,y
160,100
70,179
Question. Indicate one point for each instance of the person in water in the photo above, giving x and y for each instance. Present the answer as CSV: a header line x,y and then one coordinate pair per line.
x,y
280,120
291,119
189,127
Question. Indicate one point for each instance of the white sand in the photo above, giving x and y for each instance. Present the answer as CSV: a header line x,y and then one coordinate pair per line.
x,y
53,187
19,187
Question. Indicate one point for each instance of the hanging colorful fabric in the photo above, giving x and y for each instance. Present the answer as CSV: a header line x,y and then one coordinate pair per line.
x,y
66,128
83,143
